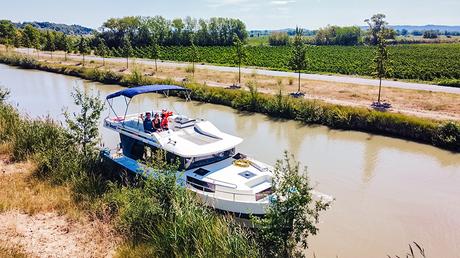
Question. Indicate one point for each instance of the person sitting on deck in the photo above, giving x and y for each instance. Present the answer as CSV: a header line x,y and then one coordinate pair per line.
x,y
157,122
148,125
164,119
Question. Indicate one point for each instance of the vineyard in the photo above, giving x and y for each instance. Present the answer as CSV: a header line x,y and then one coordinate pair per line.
x,y
432,62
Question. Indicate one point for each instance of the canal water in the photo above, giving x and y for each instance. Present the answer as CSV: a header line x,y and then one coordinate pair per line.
x,y
388,192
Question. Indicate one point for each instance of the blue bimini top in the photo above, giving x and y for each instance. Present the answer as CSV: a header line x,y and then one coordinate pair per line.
x,y
131,92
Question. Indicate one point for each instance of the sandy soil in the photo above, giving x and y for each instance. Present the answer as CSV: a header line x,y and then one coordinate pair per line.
x,y
45,231
52,235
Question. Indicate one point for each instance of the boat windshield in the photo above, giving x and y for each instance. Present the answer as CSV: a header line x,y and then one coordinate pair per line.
x,y
195,162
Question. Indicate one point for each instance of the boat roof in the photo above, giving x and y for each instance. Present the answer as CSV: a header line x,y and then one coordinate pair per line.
x,y
131,92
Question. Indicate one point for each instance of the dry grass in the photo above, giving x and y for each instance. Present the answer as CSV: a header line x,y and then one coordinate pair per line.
x,y
21,191
7,250
414,102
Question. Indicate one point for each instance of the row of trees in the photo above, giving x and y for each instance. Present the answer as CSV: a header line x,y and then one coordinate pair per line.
x,y
145,31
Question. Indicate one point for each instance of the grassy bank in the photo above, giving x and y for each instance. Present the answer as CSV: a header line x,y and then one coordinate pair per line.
x,y
441,134
155,217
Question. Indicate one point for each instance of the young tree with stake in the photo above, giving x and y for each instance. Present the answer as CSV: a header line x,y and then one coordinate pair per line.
x,y
298,60
127,49
194,55
240,54
155,52
83,48
381,60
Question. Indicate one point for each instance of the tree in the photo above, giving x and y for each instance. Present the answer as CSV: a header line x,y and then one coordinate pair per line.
x,y
430,34
127,49
298,60
155,52
84,125
83,48
33,37
381,59
376,25
240,54
49,45
278,39
194,55
67,45
102,50
293,213
7,32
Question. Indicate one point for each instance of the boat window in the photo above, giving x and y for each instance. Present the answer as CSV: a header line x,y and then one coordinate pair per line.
x,y
206,160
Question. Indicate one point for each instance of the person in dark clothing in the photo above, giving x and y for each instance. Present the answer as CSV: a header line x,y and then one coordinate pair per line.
x,y
148,125
156,122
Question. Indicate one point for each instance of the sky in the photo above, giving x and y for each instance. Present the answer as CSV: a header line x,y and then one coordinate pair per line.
x,y
257,14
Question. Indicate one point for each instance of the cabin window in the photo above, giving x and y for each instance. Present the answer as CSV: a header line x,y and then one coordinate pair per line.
x,y
206,160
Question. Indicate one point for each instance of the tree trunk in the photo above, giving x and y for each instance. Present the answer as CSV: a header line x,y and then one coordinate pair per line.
x,y
83,59
51,54
239,73
156,67
127,62
65,55
380,89
103,60
193,69
299,82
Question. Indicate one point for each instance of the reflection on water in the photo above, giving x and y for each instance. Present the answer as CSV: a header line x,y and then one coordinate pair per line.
x,y
389,192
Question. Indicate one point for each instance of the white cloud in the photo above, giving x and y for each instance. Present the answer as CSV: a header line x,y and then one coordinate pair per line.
x,y
281,2
219,3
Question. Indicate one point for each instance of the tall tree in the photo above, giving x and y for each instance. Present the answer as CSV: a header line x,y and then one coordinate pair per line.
x,y
155,52
376,24
83,48
127,49
381,59
298,60
102,50
50,45
240,54
33,36
67,45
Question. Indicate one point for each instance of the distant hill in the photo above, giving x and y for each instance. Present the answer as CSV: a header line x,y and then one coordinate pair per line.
x,y
67,29
411,28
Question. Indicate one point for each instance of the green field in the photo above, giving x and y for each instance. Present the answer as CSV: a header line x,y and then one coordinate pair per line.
x,y
429,62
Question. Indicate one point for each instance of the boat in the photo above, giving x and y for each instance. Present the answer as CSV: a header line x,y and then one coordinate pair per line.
x,y
210,165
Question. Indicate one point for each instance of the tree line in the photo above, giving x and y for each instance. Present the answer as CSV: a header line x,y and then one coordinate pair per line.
x,y
146,31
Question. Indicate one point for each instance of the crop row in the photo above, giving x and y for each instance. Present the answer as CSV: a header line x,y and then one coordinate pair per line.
x,y
419,62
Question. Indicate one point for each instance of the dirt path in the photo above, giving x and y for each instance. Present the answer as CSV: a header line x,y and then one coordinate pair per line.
x,y
53,235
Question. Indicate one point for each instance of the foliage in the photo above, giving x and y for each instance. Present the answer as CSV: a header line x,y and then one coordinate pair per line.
x,y
83,48
4,93
425,62
127,49
377,24
430,34
293,213
298,61
335,35
83,127
142,30
278,39
381,59
240,54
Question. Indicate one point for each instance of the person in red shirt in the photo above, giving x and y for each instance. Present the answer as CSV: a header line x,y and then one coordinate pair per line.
x,y
164,119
